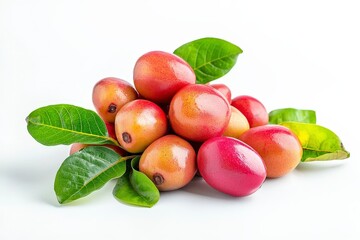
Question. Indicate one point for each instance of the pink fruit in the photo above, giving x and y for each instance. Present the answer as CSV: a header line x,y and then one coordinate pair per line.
x,y
231,166
253,110
159,75
225,90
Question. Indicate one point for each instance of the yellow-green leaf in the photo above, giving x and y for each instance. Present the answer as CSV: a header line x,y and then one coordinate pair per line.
x,y
319,143
292,114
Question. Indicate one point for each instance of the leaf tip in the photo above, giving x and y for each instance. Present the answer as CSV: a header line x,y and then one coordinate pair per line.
x,y
60,200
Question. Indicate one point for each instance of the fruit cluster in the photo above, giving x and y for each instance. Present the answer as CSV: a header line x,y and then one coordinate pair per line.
x,y
181,128
173,123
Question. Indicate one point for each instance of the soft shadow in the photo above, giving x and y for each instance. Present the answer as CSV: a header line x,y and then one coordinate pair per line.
x,y
93,198
320,166
198,186
33,178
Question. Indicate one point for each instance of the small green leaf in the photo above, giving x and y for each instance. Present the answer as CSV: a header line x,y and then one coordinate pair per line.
x,y
292,115
67,124
210,58
86,171
136,188
319,143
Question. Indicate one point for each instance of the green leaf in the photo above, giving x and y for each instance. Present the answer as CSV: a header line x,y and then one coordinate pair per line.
x,y
135,188
67,124
319,143
86,171
292,115
210,58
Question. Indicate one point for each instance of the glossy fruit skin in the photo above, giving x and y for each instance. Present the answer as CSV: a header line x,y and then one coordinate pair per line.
x,y
170,162
159,75
139,123
238,124
225,90
277,145
111,130
110,94
231,166
253,110
199,112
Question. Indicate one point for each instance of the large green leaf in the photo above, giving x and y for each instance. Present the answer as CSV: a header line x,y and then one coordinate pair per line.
x,y
67,124
210,58
136,188
86,171
319,143
292,115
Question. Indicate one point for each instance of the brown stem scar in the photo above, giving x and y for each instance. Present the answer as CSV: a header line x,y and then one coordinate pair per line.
x,y
112,108
126,137
158,178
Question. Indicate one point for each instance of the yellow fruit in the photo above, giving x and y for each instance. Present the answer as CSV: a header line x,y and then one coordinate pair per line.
x,y
238,124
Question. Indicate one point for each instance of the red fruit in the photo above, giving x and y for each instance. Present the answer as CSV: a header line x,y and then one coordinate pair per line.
x,y
109,95
253,110
138,124
199,112
231,166
280,149
111,130
225,90
159,75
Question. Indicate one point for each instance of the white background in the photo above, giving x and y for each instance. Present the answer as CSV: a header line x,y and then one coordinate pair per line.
x,y
302,54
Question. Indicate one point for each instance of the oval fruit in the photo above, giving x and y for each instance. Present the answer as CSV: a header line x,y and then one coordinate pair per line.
x,y
199,112
277,145
139,123
109,95
231,166
159,75
170,162
238,124
225,90
111,129
254,111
